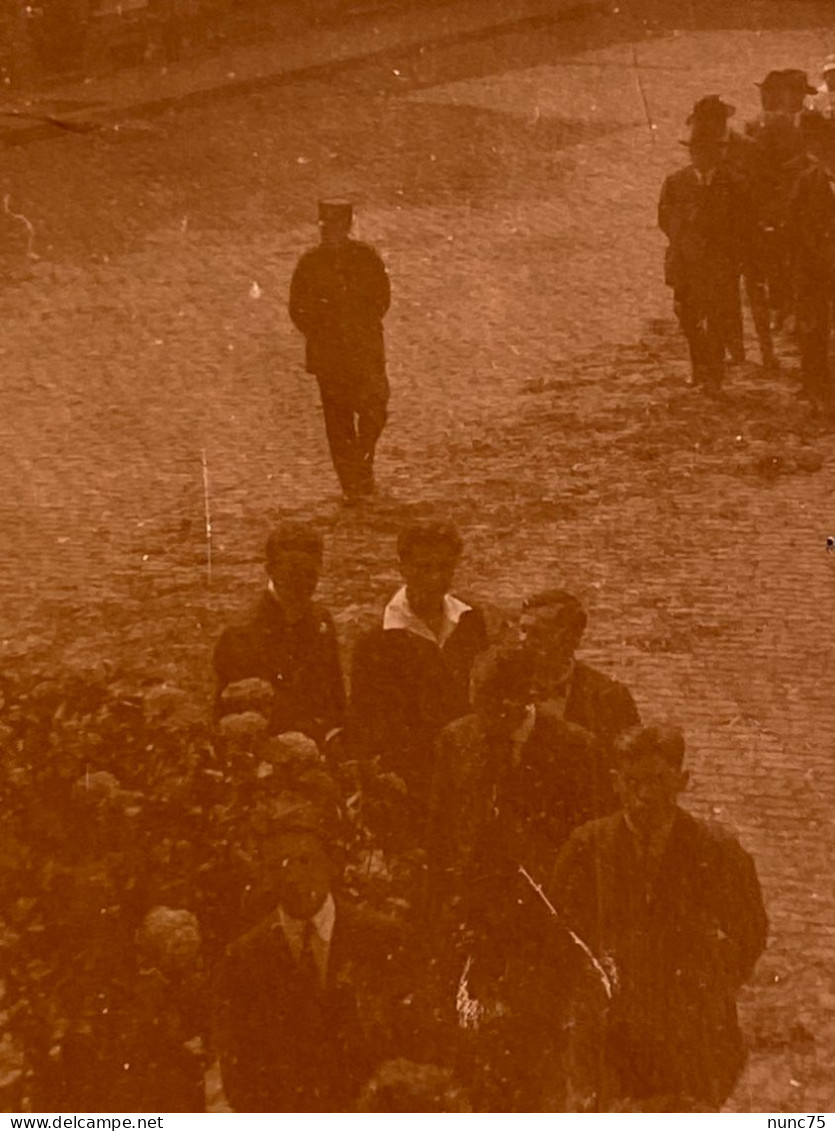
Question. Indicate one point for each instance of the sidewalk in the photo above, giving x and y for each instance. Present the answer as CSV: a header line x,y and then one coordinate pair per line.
x,y
337,37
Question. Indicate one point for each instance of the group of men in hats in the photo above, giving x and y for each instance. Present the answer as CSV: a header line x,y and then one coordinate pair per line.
x,y
565,936
755,208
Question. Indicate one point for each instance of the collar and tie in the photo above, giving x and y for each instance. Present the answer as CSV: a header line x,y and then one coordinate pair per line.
x,y
309,941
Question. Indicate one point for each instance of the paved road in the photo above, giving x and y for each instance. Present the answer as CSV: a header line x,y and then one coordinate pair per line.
x,y
510,182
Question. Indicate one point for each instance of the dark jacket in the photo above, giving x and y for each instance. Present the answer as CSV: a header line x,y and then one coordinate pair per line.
x,y
301,661
285,1049
404,689
338,299
600,703
810,223
487,813
681,942
710,227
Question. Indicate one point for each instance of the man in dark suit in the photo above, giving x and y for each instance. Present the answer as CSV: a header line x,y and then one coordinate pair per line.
x,y
339,295
410,676
711,116
672,908
810,225
307,1002
289,641
551,630
510,786
706,213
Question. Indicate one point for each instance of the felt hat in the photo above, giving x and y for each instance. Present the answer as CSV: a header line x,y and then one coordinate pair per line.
x,y
711,110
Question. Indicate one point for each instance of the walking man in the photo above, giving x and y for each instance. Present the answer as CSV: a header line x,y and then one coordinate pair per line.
x,y
672,908
705,213
339,295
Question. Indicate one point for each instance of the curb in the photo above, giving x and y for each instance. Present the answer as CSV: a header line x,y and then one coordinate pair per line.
x,y
56,127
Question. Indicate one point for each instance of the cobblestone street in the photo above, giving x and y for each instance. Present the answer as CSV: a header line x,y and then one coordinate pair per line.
x,y
510,180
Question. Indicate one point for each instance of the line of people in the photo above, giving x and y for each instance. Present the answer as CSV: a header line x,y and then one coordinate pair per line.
x,y
564,936
756,208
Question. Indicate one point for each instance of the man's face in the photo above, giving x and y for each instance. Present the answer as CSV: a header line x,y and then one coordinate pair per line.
x,y
829,80
551,640
299,872
500,715
428,572
648,788
705,157
294,575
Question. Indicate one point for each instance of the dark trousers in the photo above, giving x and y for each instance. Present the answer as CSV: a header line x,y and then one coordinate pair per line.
x,y
705,311
757,294
777,264
814,321
354,420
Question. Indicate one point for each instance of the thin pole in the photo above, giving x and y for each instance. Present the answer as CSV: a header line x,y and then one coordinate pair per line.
x,y
207,513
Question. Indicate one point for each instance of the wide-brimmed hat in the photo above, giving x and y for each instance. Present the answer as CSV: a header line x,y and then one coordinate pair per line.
x,y
709,110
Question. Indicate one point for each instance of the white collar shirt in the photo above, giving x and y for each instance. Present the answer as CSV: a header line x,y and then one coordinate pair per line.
x,y
400,615
323,924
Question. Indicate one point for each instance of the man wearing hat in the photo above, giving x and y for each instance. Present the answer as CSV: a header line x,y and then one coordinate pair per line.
x,y
671,907
339,295
824,98
811,228
289,640
307,1003
711,116
705,211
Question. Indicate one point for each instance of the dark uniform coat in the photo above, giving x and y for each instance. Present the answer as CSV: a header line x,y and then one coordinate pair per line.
x,y
682,935
300,660
338,298
287,1047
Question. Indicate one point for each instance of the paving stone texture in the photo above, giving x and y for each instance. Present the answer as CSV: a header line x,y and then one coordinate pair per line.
x,y
510,180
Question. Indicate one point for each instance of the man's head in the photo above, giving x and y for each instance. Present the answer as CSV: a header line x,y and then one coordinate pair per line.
x,y
706,150
550,630
335,219
649,774
428,553
296,854
294,562
710,114
796,89
501,690
773,92
829,72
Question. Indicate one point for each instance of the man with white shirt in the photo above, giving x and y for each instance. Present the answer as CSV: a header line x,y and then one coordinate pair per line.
x,y
410,675
705,211
307,1001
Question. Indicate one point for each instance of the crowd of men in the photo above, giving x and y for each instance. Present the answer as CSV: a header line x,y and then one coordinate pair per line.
x,y
551,930
562,935
757,208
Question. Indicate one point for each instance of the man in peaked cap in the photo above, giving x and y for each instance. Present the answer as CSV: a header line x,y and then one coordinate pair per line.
x,y
339,295
289,640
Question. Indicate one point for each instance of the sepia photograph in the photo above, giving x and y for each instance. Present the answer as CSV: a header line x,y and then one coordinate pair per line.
x,y
416,542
